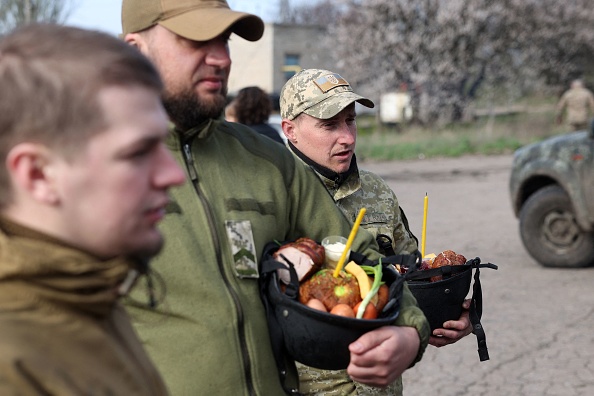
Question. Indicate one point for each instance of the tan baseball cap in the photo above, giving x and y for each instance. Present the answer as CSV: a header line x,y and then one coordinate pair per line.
x,y
319,93
199,20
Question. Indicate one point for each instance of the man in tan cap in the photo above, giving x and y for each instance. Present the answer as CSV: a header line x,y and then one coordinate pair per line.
x,y
318,118
208,334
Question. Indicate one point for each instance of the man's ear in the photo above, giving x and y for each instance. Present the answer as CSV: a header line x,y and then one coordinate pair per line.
x,y
31,171
289,129
136,40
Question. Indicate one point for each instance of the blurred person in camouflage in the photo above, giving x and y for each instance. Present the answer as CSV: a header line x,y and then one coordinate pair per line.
x,y
318,118
577,103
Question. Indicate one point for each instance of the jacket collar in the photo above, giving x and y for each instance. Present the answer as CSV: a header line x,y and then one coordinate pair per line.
x,y
337,179
50,270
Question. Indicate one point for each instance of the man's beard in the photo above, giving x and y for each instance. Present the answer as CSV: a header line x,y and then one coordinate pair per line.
x,y
187,111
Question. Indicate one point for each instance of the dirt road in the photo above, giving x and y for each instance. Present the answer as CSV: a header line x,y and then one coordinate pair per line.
x,y
538,321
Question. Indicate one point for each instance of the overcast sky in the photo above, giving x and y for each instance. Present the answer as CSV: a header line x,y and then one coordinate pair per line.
x,y
105,14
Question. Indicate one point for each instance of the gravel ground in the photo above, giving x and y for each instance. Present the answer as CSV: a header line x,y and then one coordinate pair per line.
x,y
538,321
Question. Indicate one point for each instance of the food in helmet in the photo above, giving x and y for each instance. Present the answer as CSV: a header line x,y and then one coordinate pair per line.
x,y
343,310
334,247
316,304
383,295
362,278
345,289
330,290
370,310
447,257
427,261
306,255
320,289
373,292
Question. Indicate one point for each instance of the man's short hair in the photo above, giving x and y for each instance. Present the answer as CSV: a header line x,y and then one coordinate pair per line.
x,y
51,76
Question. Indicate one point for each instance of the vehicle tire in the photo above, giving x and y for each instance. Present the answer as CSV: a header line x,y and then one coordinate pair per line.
x,y
550,232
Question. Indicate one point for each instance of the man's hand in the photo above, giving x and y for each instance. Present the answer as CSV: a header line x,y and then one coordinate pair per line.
x,y
454,330
380,356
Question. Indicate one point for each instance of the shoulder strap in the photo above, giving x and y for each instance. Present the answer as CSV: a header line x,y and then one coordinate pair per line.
x,y
385,244
407,260
405,222
475,314
268,266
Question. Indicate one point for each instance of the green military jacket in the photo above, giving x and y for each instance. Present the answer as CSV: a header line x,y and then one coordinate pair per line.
x,y
208,334
63,331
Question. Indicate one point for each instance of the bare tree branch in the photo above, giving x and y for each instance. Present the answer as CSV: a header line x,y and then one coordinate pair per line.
x,y
15,13
446,52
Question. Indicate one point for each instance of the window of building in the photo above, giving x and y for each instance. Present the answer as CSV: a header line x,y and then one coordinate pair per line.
x,y
291,66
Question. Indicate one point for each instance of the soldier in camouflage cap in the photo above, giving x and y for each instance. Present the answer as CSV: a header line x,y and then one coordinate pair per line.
x,y
319,93
318,111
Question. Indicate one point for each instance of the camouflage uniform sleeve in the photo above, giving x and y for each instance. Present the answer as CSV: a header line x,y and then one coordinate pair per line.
x,y
404,240
385,215
316,382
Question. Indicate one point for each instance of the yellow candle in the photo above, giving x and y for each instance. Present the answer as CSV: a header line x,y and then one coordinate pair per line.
x,y
347,248
424,233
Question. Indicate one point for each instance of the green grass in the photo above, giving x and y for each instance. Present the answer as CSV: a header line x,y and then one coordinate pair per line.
x,y
489,134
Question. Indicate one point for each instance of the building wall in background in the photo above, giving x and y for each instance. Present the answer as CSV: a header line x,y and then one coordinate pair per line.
x,y
264,63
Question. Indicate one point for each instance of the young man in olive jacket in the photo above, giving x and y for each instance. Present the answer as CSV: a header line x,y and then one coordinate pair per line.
x,y
83,183
209,333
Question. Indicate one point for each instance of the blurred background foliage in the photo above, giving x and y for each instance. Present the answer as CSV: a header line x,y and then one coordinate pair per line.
x,y
15,13
483,76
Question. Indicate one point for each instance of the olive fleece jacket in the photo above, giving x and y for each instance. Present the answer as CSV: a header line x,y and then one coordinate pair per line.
x,y
62,329
208,334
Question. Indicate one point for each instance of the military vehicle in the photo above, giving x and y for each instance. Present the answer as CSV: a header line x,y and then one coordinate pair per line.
x,y
552,194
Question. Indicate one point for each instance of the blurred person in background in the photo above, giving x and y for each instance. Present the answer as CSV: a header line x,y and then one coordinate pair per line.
x,y
252,107
577,104
230,114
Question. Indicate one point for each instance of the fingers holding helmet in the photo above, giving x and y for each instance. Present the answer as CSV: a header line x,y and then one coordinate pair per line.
x,y
378,357
453,330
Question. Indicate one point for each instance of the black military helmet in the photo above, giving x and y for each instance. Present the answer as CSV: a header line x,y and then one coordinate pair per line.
x,y
441,300
312,337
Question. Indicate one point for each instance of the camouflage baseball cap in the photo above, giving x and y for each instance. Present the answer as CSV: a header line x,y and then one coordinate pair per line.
x,y
199,20
319,93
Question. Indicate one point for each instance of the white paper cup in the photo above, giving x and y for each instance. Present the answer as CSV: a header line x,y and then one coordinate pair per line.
x,y
333,248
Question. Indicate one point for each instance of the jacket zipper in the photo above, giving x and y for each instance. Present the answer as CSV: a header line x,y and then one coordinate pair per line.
x,y
216,242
